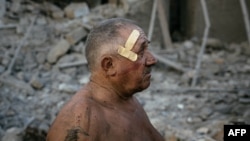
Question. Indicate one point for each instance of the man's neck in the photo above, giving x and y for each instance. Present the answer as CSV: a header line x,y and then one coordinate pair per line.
x,y
102,88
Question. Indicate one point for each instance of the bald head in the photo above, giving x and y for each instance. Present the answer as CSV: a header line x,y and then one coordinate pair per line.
x,y
105,39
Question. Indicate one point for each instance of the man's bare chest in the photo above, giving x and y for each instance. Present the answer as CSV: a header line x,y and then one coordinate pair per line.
x,y
131,126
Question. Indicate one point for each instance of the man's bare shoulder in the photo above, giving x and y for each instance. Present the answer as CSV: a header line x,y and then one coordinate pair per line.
x,y
79,118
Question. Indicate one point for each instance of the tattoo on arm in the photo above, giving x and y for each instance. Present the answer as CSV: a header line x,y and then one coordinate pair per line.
x,y
73,134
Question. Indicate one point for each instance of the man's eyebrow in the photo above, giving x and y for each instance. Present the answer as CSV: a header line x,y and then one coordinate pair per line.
x,y
144,38
145,42
143,45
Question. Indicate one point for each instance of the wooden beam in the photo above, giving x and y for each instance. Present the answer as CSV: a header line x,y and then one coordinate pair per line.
x,y
164,24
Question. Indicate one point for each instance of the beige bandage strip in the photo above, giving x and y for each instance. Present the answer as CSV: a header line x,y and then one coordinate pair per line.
x,y
126,51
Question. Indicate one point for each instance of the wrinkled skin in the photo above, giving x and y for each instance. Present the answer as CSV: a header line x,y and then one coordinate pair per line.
x,y
106,108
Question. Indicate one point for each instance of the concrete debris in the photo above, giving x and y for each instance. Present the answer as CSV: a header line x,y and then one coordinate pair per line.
x,y
76,10
41,57
16,6
2,9
109,11
2,69
17,84
215,43
71,60
245,48
53,10
13,134
76,35
202,130
57,51
68,88
36,83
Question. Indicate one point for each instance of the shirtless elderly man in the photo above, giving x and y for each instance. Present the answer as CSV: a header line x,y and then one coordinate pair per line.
x,y
105,109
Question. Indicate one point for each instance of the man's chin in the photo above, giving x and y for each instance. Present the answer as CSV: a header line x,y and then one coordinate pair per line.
x,y
142,88
145,85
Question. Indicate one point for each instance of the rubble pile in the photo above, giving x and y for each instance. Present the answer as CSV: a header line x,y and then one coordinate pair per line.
x,y
46,44
42,64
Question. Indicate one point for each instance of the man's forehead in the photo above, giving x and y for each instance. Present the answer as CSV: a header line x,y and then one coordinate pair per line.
x,y
142,36
135,38
125,50
128,30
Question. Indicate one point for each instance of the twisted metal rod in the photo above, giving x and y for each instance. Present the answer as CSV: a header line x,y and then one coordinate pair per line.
x,y
203,46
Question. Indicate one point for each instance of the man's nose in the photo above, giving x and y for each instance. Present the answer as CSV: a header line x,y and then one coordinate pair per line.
x,y
151,60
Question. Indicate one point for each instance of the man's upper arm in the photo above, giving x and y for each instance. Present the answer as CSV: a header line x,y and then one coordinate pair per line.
x,y
85,123
73,123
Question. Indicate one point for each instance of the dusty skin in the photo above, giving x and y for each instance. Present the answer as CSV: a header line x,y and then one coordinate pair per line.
x,y
105,109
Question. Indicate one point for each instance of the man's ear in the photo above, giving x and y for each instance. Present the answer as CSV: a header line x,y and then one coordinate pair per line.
x,y
108,65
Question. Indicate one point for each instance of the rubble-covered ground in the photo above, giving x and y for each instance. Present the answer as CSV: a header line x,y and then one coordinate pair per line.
x,y
42,65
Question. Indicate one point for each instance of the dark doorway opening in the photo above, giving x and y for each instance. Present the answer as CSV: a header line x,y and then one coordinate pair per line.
x,y
175,16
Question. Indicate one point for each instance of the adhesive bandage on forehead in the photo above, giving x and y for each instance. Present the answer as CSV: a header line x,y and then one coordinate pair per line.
x,y
126,51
